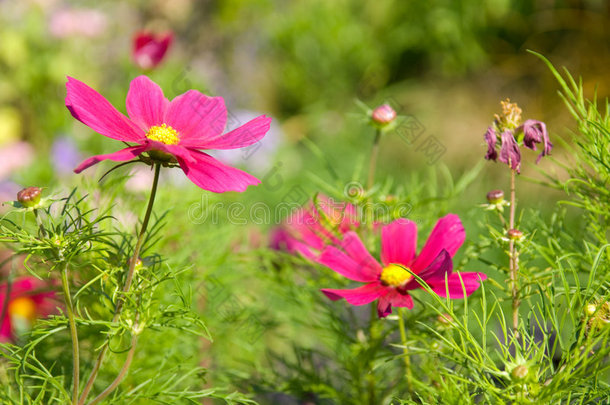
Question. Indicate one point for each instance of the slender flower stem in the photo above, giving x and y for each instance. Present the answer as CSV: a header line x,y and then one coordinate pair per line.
x,y
43,233
124,369
513,263
405,351
126,287
73,333
372,341
373,161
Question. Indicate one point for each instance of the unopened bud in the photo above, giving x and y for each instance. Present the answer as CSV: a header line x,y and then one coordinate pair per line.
x,y
445,319
514,234
383,115
495,196
29,197
520,372
590,309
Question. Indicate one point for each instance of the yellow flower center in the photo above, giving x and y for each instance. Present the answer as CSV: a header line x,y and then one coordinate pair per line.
x,y
395,276
164,134
23,307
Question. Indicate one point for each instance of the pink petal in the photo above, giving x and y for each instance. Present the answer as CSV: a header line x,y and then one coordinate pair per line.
x,y
393,298
246,135
357,296
353,246
119,156
399,242
196,116
448,234
209,174
437,270
471,282
343,264
146,103
93,110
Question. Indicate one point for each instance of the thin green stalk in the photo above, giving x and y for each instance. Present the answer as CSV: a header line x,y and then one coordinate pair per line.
x,y
126,286
372,338
373,160
43,233
73,333
513,263
405,351
124,369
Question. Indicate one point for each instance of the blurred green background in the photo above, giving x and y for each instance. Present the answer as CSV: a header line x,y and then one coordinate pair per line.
x,y
446,63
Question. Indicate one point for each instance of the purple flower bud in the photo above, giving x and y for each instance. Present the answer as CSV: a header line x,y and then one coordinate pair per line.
x,y
514,234
495,196
29,197
535,132
491,138
509,152
383,115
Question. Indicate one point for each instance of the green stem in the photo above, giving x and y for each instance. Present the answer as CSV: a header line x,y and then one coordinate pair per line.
x,y
372,342
126,286
124,369
373,160
73,333
513,263
43,233
405,351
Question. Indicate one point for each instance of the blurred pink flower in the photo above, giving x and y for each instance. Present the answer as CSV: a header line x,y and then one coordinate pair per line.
x,y
28,299
15,156
77,23
149,49
390,282
172,132
309,229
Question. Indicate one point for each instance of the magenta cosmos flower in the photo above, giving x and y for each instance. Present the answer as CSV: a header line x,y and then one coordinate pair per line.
x,y
149,49
169,131
29,299
312,227
389,282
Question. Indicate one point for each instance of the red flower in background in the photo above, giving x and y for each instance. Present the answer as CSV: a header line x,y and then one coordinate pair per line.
x,y
28,299
149,49
389,282
170,131
314,226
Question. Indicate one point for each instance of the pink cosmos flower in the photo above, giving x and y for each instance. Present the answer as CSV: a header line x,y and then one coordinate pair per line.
x,y
389,282
169,131
150,49
312,227
29,299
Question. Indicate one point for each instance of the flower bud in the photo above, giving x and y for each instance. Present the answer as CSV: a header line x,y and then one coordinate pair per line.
x,y
445,319
514,234
495,196
29,197
590,309
383,115
520,372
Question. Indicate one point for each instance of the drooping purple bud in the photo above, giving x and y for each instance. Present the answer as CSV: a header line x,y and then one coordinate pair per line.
x,y
509,152
383,115
491,138
535,132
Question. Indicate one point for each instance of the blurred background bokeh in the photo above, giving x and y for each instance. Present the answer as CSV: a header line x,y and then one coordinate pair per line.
x,y
445,63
